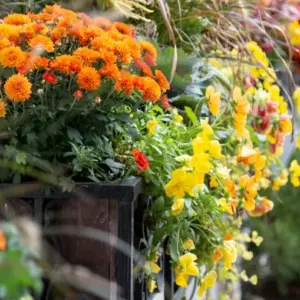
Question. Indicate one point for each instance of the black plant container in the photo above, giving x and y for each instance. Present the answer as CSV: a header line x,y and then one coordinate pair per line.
x,y
107,207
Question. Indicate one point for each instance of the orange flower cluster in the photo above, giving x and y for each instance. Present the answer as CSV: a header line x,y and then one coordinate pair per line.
x,y
64,43
242,109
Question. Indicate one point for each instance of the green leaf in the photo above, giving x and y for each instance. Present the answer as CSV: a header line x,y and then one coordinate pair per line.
x,y
159,204
113,164
174,246
162,232
191,115
21,158
74,135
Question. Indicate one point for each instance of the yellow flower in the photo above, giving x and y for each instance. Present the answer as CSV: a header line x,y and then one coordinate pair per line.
x,y
285,125
229,252
256,239
294,33
178,118
177,206
200,144
225,206
258,54
247,255
151,267
281,180
176,187
213,183
296,97
249,205
298,142
295,173
201,162
151,126
207,131
215,149
264,206
214,100
189,245
246,155
186,266
151,284
207,282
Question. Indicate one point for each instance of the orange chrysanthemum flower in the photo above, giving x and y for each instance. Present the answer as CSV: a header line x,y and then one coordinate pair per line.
x,y
11,32
4,43
149,88
93,31
126,82
31,29
88,56
12,57
123,28
17,19
18,88
150,52
140,64
108,57
32,62
2,109
134,47
123,53
162,80
103,43
88,79
41,42
66,64
111,71
58,33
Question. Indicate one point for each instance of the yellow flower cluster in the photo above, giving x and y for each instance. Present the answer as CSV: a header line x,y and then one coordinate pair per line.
x,y
185,267
294,33
295,173
242,108
258,54
214,100
184,180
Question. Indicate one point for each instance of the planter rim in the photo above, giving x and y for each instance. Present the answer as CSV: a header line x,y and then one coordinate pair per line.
x,y
126,190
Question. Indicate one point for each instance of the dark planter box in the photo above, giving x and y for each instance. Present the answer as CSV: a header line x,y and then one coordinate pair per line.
x,y
107,207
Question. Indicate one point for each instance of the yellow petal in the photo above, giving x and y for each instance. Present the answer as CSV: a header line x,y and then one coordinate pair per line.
x,y
192,269
181,279
210,278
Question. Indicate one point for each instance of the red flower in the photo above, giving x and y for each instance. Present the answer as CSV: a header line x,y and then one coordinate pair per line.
x,y
78,94
271,106
50,77
165,102
141,160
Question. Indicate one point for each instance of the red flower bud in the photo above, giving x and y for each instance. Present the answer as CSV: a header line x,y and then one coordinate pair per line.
x,y
50,77
78,94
